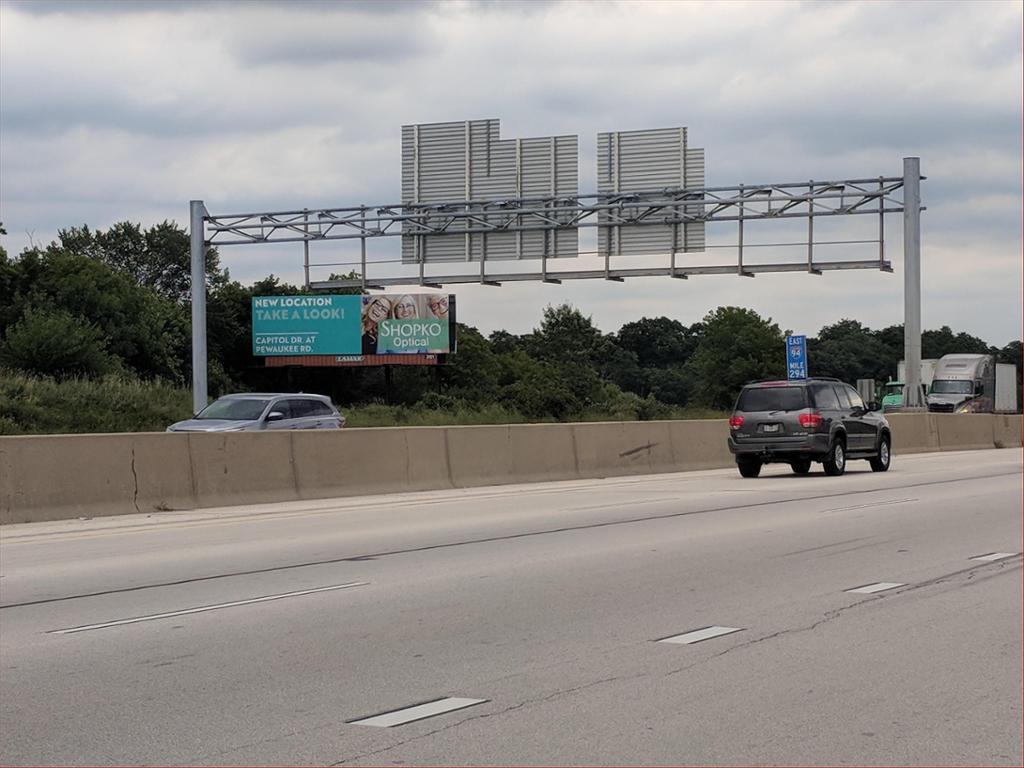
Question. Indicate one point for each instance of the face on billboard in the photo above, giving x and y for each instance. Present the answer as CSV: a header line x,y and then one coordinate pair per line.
x,y
437,304
406,308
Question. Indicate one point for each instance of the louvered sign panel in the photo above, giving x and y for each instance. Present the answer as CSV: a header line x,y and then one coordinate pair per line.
x,y
648,161
466,161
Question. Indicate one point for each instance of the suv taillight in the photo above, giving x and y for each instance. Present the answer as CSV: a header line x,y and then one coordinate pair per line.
x,y
735,422
810,420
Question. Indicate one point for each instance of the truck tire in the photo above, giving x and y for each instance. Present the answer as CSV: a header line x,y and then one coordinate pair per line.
x,y
835,460
749,467
801,466
881,462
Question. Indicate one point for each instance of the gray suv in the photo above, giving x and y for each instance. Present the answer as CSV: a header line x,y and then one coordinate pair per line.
x,y
799,422
254,411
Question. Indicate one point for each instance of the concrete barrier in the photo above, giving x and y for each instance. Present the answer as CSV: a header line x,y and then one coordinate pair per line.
x,y
54,477
519,453
1006,431
242,468
349,462
913,432
58,477
610,449
960,432
701,444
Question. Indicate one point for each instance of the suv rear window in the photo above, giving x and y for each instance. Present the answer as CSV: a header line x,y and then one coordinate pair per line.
x,y
772,399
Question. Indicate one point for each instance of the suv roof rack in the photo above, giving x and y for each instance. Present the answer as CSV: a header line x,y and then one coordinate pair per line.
x,y
793,381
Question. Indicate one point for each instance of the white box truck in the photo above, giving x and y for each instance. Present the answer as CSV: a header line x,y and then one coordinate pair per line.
x,y
927,372
1006,388
973,384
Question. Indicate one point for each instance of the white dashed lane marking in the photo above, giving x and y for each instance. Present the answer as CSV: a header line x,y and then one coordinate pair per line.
x,y
204,608
697,635
994,556
417,712
870,589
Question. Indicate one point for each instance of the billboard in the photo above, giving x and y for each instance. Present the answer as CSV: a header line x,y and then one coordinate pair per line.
x,y
365,326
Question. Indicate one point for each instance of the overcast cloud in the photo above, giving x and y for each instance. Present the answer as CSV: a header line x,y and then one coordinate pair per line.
x,y
116,110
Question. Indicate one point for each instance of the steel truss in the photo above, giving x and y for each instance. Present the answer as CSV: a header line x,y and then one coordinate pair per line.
x,y
672,207
659,207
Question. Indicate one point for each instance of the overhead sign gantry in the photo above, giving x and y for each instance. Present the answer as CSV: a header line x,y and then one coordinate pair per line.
x,y
474,204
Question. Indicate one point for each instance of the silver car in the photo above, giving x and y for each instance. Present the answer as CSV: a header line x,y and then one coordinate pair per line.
x,y
249,412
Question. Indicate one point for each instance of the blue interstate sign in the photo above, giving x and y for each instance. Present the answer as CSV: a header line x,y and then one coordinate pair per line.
x,y
306,325
796,357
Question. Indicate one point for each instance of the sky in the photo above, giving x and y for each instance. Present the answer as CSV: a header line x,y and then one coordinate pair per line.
x,y
113,111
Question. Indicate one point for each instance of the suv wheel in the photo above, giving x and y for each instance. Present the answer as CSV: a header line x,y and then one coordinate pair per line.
x,y
880,463
749,467
835,459
801,466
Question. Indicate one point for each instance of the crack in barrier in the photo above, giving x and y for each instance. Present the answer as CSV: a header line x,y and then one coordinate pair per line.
x,y
483,716
631,451
135,478
492,539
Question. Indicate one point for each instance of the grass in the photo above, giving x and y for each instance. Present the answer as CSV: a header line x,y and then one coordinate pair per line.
x,y
39,405
31,405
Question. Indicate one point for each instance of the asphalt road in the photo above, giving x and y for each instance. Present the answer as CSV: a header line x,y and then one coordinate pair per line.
x,y
259,635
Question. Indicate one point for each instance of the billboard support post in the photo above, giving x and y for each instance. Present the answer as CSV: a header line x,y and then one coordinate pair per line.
x,y
305,248
362,251
197,243
912,280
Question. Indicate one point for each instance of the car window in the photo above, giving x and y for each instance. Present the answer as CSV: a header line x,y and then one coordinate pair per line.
x,y
844,401
284,407
825,397
234,409
772,399
952,387
301,408
321,408
310,408
855,399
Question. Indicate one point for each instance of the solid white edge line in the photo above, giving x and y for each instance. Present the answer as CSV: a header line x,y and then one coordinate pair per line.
x,y
699,635
994,556
203,608
417,712
870,589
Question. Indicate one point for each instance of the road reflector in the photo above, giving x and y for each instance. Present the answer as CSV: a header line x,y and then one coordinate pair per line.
x,y
870,589
994,556
417,712
698,635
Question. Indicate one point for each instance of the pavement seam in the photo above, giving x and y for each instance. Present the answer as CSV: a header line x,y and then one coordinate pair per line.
x,y
493,539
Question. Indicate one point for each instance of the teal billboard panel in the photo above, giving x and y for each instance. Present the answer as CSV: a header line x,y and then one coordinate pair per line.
x,y
306,325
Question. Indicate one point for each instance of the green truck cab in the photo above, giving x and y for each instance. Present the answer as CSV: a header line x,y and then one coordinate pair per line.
x,y
892,395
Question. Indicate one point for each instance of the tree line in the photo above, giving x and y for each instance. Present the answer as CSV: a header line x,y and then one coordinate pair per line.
x,y
95,303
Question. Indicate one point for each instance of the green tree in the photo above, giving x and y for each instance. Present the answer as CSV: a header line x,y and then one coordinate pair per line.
x,y
540,391
566,335
159,258
146,332
659,342
935,344
738,346
849,351
55,343
472,372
